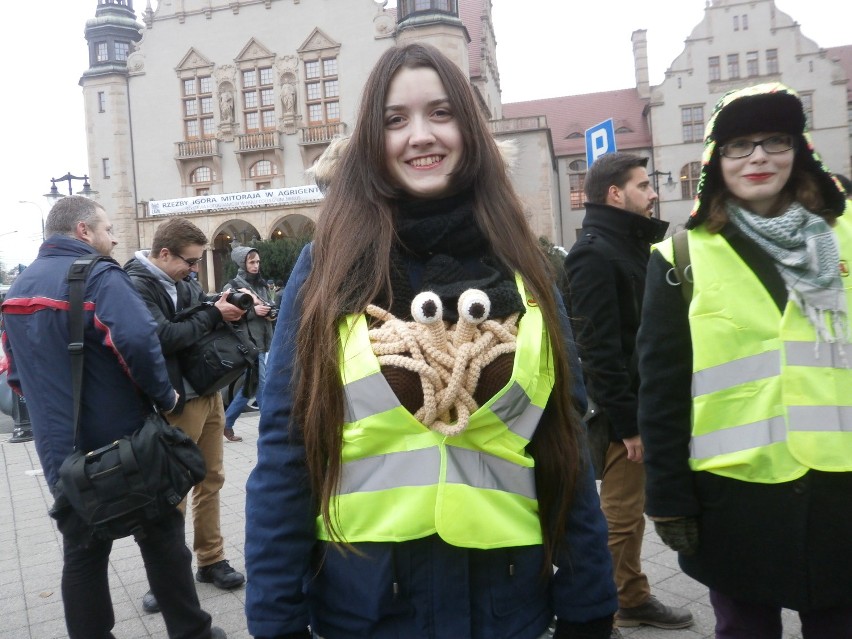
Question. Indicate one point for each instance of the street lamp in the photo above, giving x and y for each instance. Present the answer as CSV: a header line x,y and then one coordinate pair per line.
x,y
54,193
40,215
669,183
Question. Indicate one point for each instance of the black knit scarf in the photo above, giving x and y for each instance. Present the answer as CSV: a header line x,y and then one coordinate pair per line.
x,y
442,235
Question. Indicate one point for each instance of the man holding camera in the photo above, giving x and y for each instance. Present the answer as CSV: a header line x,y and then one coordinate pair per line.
x,y
158,275
261,320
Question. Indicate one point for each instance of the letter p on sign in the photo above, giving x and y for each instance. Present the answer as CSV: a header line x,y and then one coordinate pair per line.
x,y
600,140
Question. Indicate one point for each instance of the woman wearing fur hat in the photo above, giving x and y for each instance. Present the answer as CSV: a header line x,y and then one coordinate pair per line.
x,y
420,462
745,407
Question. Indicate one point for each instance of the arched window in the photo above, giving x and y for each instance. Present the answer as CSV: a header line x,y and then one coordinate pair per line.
x,y
689,175
577,183
202,174
263,168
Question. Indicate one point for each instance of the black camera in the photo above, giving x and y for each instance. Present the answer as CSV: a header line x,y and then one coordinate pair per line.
x,y
240,300
273,313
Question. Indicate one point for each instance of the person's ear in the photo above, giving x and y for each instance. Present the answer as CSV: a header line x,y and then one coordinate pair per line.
x,y
81,231
613,195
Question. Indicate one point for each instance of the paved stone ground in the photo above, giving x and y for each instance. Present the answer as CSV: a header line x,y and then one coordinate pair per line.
x,y
30,559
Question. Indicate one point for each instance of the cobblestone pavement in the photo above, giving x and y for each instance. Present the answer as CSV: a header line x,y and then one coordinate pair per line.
x,y
30,559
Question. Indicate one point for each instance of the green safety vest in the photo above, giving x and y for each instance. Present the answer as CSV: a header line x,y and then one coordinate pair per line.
x,y
769,400
401,481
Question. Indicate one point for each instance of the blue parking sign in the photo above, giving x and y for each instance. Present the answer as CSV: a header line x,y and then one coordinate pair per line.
x,y
600,140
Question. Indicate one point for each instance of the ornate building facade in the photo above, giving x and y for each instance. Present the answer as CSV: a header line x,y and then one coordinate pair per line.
x,y
214,109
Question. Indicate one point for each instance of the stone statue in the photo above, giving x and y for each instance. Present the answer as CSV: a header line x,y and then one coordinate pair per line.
x,y
288,97
226,106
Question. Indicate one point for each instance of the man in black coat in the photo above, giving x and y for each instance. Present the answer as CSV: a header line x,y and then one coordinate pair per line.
x,y
606,281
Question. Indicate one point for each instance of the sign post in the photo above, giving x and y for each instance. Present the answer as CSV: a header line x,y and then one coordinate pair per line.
x,y
600,140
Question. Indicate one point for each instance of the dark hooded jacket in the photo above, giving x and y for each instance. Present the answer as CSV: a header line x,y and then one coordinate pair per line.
x,y
175,332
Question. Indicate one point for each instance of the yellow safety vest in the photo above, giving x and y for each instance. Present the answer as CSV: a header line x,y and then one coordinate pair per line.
x,y
769,400
401,481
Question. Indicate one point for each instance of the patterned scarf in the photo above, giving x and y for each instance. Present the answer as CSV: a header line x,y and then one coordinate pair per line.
x,y
804,249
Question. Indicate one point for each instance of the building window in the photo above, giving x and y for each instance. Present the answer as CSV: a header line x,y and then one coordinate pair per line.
x,y
102,49
692,121
121,50
733,66
322,91
745,23
772,60
101,102
258,99
751,64
577,183
736,23
808,107
689,175
262,169
201,175
714,68
198,108
105,167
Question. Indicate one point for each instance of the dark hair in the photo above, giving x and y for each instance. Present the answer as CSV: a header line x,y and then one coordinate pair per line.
x,y
351,268
176,234
67,212
612,169
845,182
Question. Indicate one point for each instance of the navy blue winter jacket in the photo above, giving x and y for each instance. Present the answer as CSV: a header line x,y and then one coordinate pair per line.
x,y
125,372
295,580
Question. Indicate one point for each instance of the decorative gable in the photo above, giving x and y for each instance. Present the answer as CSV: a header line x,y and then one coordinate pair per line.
x,y
193,60
254,50
318,41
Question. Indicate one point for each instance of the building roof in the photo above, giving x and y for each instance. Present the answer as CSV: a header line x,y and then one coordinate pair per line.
x,y
844,56
568,118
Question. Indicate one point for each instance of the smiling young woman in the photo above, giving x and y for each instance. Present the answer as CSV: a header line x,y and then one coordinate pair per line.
x,y
420,481
744,403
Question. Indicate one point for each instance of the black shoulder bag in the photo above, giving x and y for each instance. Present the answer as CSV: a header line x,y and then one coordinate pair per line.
x,y
219,358
139,478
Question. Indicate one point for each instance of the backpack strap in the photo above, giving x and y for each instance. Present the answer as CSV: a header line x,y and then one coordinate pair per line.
x,y
682,264
77,276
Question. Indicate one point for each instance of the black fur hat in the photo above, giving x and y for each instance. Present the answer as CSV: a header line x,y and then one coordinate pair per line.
x,y
765,108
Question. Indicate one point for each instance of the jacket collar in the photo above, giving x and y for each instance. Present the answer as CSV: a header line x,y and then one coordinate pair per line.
x,y
624,223
64,245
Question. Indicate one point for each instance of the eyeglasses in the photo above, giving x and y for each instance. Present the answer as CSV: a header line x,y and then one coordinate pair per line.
x,y
743,148
189,262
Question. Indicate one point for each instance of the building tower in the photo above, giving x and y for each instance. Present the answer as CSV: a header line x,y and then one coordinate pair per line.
x,y
434,22
111,36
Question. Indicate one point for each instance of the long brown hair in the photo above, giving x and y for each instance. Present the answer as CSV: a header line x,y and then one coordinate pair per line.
x,y
351,267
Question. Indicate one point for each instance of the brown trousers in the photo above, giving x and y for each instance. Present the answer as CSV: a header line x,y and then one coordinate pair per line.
x,y
623,503
203,419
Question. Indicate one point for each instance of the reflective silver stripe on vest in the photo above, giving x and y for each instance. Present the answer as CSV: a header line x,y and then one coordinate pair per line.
x,y
739,371
368,396
738,438
823,354
481,470
516,410
832,419
422,468
394,470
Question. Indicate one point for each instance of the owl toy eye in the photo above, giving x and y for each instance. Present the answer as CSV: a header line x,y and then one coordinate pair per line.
x,y
426,308
474,306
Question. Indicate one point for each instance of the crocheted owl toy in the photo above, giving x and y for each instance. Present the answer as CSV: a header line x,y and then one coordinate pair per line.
x,y
458,367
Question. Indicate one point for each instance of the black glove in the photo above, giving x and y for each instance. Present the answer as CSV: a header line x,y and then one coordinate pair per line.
x,y
680,535
595,629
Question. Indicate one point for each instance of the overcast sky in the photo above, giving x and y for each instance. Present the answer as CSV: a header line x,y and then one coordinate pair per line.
x,y
545,48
